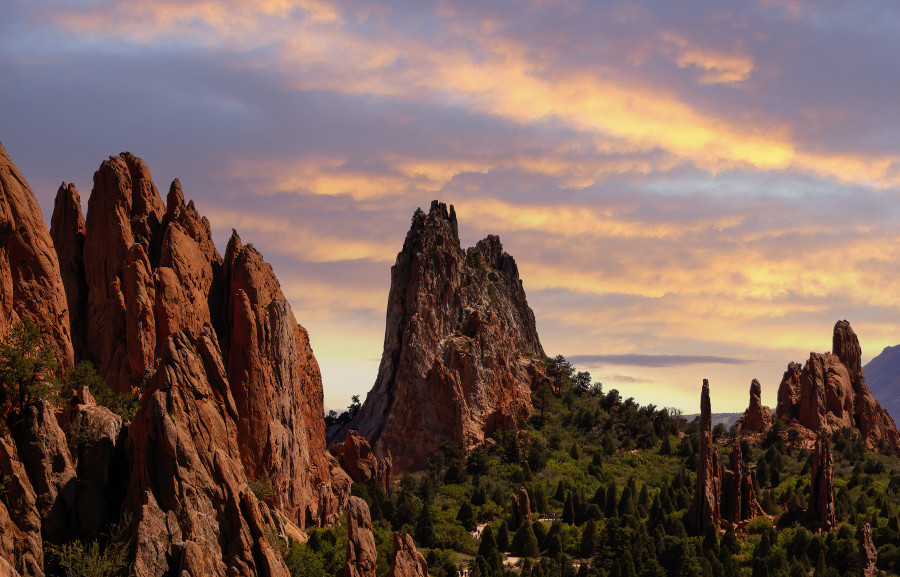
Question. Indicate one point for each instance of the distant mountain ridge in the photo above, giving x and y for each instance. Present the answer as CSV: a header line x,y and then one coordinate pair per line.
x,y
883,377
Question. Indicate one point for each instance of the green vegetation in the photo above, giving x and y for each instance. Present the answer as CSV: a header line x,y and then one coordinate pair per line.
x,y
27,365
610,482
125,405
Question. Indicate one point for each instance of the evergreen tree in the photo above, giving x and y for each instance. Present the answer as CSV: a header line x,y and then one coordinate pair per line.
x,y
489,551
466,516
569,511
588,539
525,542
503,537
424,532
612,498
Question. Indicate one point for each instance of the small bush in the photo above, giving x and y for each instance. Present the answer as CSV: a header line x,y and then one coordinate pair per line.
x,y
261,487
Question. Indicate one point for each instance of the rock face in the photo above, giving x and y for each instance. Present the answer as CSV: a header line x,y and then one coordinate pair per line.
x,y
756,418
868,554
704,510
151,271
461,350
520,509
830,393
406,561
67,232
97,439
21,546
821,486
361,553
30,283
189,413
739,499
357,459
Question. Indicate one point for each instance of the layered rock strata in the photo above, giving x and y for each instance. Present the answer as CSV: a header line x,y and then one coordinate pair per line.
x,y
30,283
830,393
357,459
756,418
461,350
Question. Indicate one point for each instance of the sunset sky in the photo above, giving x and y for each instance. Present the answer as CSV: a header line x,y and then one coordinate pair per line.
x,y
689,193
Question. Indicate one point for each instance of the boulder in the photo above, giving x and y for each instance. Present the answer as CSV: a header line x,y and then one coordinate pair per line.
x,y
406,561
21,546
357,459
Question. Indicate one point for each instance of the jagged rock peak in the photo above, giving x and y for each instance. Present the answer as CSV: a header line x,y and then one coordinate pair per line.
x,y
30,283
704,511
830,393
461,349
357,459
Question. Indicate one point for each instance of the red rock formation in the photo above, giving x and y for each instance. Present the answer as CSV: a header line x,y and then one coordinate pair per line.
x,y
520,509
45,453
739,499
821,487
361,553
30,282
67,232
195,513
152,271
756,418
96,438
868,554
357,459
461,350
704,510
830,393
21,546
406,561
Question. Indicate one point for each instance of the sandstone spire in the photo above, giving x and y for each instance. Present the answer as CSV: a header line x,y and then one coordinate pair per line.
x,y
704,511
756,418
821,486
461,350
30,284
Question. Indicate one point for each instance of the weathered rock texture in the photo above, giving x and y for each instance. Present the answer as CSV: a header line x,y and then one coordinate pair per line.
x,y
232,394
830,393
30,283
151,271
357,459
21,546
739,499
821,486
194,511
756,418
406,561
361,553
97,439
704,510
461,351
868,554
520,509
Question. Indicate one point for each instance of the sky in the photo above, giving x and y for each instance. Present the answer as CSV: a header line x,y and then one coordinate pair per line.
x,y
690,190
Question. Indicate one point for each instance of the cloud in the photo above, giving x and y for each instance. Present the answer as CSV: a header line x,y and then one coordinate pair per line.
x,y
655,361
